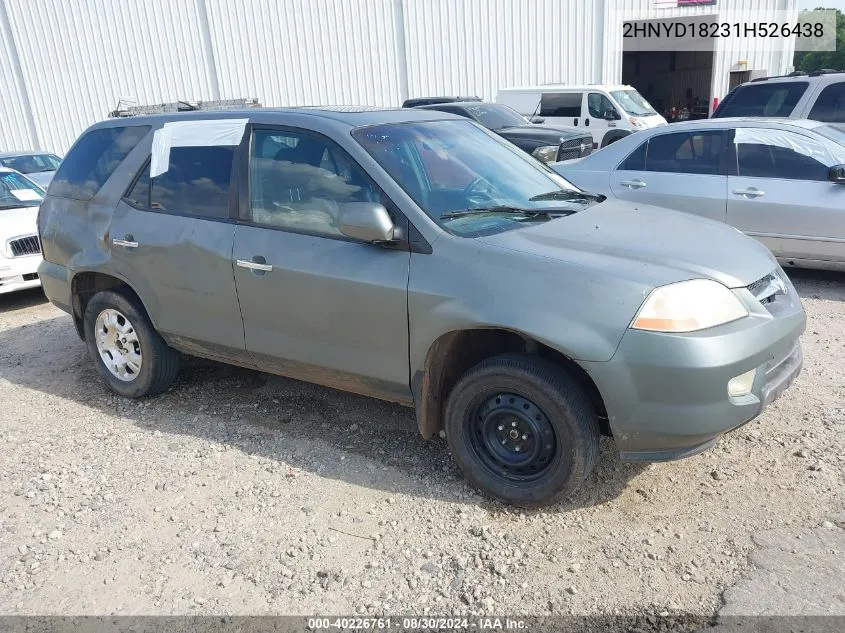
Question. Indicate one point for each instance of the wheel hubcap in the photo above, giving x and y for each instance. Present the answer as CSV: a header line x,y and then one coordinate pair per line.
x,y
118,345
512,437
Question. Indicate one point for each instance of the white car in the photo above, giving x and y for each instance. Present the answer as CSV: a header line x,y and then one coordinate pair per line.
x,y
39,167
607,112
20,248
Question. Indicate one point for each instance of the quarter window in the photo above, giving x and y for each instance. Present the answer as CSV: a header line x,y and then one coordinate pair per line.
x,y
93,159
763,153
299,181
561,104
830,105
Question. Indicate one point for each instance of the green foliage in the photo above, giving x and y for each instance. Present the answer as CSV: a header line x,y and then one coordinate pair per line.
x,y
809,61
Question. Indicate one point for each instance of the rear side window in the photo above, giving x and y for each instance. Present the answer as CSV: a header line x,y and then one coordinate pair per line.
x,y
830,105
763,100
561,104
197,182
93,159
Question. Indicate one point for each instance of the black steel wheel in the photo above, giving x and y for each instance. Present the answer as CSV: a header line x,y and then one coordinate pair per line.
x,y
522,429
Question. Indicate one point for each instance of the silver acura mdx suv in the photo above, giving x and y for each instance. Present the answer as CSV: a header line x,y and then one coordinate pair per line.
x,y
417,257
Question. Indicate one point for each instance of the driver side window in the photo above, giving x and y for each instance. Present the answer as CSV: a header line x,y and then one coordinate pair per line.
x,y
298,182
598,105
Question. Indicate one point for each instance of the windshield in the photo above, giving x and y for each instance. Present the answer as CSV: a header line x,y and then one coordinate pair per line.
x,y
17,191
453,166
833,132
633,102
496,117
31,163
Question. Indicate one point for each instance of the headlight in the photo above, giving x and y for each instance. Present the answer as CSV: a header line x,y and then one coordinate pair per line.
x,y
688,306
638,123
547,153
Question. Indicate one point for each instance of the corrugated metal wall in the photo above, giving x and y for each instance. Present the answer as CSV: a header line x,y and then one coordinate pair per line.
x,y
78,57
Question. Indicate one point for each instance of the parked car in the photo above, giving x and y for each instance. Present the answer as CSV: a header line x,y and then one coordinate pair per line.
x,y
778,180
608,113
20,250
543,142
39,167
414,256
819,96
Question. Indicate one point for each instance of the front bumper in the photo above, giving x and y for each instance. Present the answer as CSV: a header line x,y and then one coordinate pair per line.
x,y
19,273
666,394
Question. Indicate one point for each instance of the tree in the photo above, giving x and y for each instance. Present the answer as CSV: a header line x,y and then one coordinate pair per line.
x,y
808,61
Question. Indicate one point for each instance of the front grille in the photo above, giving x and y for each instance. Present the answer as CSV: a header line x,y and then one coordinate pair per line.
x,y
575,148
766,289
25,246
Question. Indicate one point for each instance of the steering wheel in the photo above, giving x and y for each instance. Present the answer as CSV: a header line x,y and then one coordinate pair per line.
x,y
477,196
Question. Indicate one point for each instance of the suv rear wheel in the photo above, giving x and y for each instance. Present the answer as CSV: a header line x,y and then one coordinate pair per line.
x,y
129,354
522,430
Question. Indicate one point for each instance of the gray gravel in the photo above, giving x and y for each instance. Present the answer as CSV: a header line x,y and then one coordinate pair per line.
x,y
238,492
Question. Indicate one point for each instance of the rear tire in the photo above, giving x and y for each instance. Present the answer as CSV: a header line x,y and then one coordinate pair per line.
x,y
129,354
522,430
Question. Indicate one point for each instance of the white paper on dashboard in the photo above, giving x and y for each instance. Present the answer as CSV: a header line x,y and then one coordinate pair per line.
x,y
202,133
25,195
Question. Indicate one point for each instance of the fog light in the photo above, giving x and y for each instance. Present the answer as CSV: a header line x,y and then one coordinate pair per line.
x,y
742,384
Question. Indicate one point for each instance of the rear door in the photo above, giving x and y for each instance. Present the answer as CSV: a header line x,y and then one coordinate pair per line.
x,y
316,305
677,170
781,195
171,239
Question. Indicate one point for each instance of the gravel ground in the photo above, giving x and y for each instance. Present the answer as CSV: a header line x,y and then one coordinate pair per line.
x,y
238,492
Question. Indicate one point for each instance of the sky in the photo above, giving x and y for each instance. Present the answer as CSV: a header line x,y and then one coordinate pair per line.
x,y
827,4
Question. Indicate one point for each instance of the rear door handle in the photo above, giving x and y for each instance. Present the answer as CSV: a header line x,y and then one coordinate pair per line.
x,y
751,192
633,184
245,263
128,242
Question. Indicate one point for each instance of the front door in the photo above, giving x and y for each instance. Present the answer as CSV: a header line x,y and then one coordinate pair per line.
x,y
599,108
684,171
171,239
316,305
781,194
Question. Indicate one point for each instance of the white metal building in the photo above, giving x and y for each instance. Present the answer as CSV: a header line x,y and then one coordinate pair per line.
x,y
68,62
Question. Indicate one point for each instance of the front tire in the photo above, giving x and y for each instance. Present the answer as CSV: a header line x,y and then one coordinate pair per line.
x,y
522,430
129,354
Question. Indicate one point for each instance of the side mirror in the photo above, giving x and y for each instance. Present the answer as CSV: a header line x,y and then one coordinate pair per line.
x,y
365,221
837,174
537,120
611,115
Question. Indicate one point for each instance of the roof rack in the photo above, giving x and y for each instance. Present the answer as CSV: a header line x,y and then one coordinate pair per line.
x,y
801,73
825,71
183,106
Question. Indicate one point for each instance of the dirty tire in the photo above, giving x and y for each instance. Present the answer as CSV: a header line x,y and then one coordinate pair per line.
x,y
536,390
160,362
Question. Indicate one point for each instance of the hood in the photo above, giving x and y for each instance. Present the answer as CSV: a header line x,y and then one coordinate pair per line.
x,y
542,133
17,222
646,244
41,178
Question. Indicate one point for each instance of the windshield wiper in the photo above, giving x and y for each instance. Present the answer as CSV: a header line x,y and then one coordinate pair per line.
x,y
566,194
531,213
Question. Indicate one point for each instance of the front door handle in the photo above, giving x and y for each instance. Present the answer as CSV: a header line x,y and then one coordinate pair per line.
x,y
751,192
128,241
633,184
254,265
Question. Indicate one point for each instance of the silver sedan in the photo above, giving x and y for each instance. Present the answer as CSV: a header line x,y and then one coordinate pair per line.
x,y
780,181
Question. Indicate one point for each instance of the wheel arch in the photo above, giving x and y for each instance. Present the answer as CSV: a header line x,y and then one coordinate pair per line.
x,y
85,284
453,353
614,135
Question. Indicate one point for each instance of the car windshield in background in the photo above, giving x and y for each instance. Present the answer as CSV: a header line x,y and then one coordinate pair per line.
x,y
496,117
17,191
833,132
31,163
633,102
763,100
458,169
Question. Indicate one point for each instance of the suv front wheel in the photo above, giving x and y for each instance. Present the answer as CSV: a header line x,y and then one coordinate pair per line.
x,y
130,355
522,430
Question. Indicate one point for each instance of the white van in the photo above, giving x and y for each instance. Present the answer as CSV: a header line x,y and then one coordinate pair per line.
x,y
609,112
